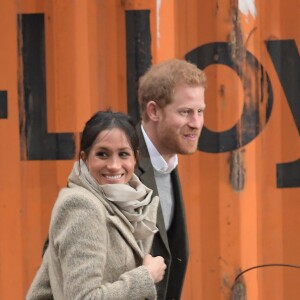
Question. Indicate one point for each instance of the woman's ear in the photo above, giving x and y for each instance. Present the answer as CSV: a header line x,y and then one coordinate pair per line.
x,y
152,111
83,155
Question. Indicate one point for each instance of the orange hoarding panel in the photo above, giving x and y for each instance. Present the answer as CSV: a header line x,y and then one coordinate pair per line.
x,y
63,60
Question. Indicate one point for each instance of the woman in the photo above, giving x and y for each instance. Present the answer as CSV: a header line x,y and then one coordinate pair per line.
x,y
102,224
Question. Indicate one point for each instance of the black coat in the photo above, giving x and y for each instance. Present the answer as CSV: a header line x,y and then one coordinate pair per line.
x,y
173,246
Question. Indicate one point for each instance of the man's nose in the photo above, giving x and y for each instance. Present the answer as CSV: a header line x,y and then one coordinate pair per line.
x,y
196,120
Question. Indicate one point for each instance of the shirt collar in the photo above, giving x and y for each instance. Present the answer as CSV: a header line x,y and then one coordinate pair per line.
x,y
158,162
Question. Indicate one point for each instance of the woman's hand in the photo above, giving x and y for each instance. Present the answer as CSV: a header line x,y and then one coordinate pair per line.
x,y
156,266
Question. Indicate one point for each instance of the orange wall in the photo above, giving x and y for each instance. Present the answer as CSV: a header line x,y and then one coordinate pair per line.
x,y
239,213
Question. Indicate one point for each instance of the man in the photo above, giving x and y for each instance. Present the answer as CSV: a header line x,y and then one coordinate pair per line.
x,y
171,98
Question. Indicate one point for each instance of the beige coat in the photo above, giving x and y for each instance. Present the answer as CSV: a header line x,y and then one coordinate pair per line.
x,y
92,252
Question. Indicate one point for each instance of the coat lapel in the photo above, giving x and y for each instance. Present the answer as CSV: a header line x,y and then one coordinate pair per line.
x,y
123,228
145,172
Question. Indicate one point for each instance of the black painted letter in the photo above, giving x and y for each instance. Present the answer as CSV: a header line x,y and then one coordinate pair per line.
x,y
286,60
251,122
36,142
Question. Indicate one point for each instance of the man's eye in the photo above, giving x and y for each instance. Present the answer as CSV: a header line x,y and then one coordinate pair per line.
x,y
184,112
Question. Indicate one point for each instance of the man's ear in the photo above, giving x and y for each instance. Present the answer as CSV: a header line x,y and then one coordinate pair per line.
x,y
152,111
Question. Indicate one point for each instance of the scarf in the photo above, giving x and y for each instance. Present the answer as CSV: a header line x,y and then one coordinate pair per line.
x,y
130,201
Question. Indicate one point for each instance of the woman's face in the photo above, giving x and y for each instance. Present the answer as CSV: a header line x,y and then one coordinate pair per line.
x,y
111,159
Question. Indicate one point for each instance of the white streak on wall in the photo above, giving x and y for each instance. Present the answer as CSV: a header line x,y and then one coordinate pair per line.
x,y
158,6
247,6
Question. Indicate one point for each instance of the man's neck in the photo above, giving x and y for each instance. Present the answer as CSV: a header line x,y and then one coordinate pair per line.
x,y
170,159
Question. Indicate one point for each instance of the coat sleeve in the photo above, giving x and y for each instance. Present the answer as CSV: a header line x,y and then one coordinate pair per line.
x,y
79,234
40,288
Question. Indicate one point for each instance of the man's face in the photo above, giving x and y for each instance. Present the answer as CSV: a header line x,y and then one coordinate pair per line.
x,y
180,123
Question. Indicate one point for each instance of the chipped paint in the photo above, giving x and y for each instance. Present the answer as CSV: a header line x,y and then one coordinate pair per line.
x,y
246,7
236,39
237,170
239,291
158,6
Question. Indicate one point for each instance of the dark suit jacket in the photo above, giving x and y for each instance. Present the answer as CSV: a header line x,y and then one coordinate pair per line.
x,y
172,245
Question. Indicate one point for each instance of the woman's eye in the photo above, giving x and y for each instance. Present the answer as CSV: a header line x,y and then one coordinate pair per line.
x,y
124,154
102,154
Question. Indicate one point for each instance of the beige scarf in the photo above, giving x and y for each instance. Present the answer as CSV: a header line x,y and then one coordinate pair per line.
x,y
131,200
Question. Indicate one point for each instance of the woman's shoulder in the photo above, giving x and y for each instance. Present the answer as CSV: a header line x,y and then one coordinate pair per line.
x,y
77,198
76,207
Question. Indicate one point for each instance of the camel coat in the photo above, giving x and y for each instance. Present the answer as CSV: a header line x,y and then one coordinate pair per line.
x,y
92,252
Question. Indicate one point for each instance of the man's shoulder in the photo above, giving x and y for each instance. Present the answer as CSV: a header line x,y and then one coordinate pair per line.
x,y
144,161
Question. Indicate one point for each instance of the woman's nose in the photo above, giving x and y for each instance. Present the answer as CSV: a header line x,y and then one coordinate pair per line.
x,y
113,163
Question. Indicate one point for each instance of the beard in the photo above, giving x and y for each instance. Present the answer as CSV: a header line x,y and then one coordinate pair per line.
x,y
176,143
